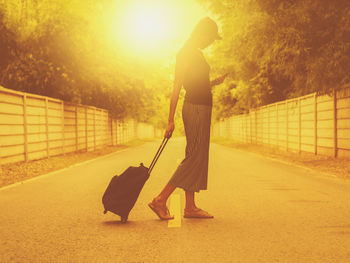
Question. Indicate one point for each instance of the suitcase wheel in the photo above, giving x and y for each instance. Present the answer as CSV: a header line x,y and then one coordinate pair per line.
x,y
123,219
105,211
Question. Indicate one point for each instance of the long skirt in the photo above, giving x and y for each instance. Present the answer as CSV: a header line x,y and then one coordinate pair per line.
x,y
192,173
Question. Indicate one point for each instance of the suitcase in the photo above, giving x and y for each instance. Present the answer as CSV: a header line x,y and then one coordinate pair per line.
x,y
123,190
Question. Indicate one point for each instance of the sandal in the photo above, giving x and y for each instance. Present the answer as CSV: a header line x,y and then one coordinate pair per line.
x,y
161,210
196,213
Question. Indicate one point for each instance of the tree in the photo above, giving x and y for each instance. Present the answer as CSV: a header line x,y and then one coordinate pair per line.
x,y
280,49
54,48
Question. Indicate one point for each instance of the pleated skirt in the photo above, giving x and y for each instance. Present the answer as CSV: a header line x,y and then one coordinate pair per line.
x,y
192,173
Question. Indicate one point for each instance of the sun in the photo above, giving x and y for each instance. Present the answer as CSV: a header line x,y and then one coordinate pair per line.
x,y
148,25
152,28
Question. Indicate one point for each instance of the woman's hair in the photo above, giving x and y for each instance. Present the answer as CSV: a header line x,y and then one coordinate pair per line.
x,y
205,27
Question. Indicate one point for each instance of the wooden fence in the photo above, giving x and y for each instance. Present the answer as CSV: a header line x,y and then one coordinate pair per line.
x,y
34,127
317,124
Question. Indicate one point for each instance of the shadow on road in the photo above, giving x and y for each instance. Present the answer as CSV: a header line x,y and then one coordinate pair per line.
x,y
130,222
117,223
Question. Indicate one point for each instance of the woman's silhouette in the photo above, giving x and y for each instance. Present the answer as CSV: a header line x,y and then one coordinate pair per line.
x,y
192,72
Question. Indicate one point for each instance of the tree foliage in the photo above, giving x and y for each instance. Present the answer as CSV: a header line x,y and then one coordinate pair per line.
x,y
280,49
54,48
273,49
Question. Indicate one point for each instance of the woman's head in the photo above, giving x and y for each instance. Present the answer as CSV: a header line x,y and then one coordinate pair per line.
x,y
205,33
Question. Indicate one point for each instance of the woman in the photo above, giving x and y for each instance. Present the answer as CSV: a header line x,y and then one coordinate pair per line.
x,y
192,72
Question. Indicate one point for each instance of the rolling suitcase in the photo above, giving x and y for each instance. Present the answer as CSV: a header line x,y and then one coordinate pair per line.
x,y
123,190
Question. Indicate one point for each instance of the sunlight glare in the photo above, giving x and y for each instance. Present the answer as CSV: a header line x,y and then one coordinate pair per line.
x,y
148,25
153,28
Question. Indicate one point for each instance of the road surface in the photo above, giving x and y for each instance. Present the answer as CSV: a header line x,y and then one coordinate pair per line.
x,y
265,211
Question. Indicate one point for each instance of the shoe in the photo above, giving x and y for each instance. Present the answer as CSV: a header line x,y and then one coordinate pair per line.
x,y
161,210
196,213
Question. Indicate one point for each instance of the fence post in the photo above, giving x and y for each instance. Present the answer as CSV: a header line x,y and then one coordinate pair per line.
x,y
125,132
242,127
112,141
250,127
25,127
256,126
118,132
299,125
47,127
277,128
86,129
287,126
94,128
126,137
246,129
315,122
76,128
62,112
122,133
268,125
335,122
228,128
262,125
1,181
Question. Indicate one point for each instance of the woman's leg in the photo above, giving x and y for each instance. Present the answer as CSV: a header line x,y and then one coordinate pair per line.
x,y
164,195
158,205
169,189
190,204
191,210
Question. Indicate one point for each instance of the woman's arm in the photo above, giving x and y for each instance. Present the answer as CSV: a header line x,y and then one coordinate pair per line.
x,y
180,68
173,102
218,80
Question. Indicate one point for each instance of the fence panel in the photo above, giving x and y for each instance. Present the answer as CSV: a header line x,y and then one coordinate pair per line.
x,y
316,124
34,127
325,125
281,125
12,136
307,122
343,122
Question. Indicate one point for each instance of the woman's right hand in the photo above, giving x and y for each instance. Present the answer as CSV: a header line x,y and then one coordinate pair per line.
x,y
169,130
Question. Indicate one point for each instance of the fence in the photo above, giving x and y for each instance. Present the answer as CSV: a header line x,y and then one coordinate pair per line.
x,y
35,127
317,124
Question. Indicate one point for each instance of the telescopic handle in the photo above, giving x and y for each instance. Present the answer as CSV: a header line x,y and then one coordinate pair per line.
x,y
156,157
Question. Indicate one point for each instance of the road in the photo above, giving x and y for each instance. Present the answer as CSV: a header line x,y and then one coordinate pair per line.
x,y
265,211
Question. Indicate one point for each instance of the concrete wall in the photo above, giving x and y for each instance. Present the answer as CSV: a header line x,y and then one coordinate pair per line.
x,y
34,127
316,124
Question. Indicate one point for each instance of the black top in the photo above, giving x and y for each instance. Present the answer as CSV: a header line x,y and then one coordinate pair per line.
x,y
192,70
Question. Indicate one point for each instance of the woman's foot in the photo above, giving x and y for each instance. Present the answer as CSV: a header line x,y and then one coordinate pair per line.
x,y
160,209
196,213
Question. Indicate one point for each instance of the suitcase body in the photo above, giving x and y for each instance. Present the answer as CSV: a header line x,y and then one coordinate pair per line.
x,y
123,191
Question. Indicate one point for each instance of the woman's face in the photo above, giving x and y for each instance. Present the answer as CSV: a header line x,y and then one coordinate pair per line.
x,y
206,41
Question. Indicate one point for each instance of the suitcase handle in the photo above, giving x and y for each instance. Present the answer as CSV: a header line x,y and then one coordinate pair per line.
x,y
155,159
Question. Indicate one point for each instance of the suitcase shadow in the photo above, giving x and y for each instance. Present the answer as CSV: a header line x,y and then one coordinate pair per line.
x,y
118,223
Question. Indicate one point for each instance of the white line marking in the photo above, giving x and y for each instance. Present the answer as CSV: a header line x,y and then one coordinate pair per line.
x,y
175,210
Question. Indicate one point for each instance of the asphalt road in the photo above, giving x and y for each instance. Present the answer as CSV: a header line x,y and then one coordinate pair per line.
x,y
265,211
